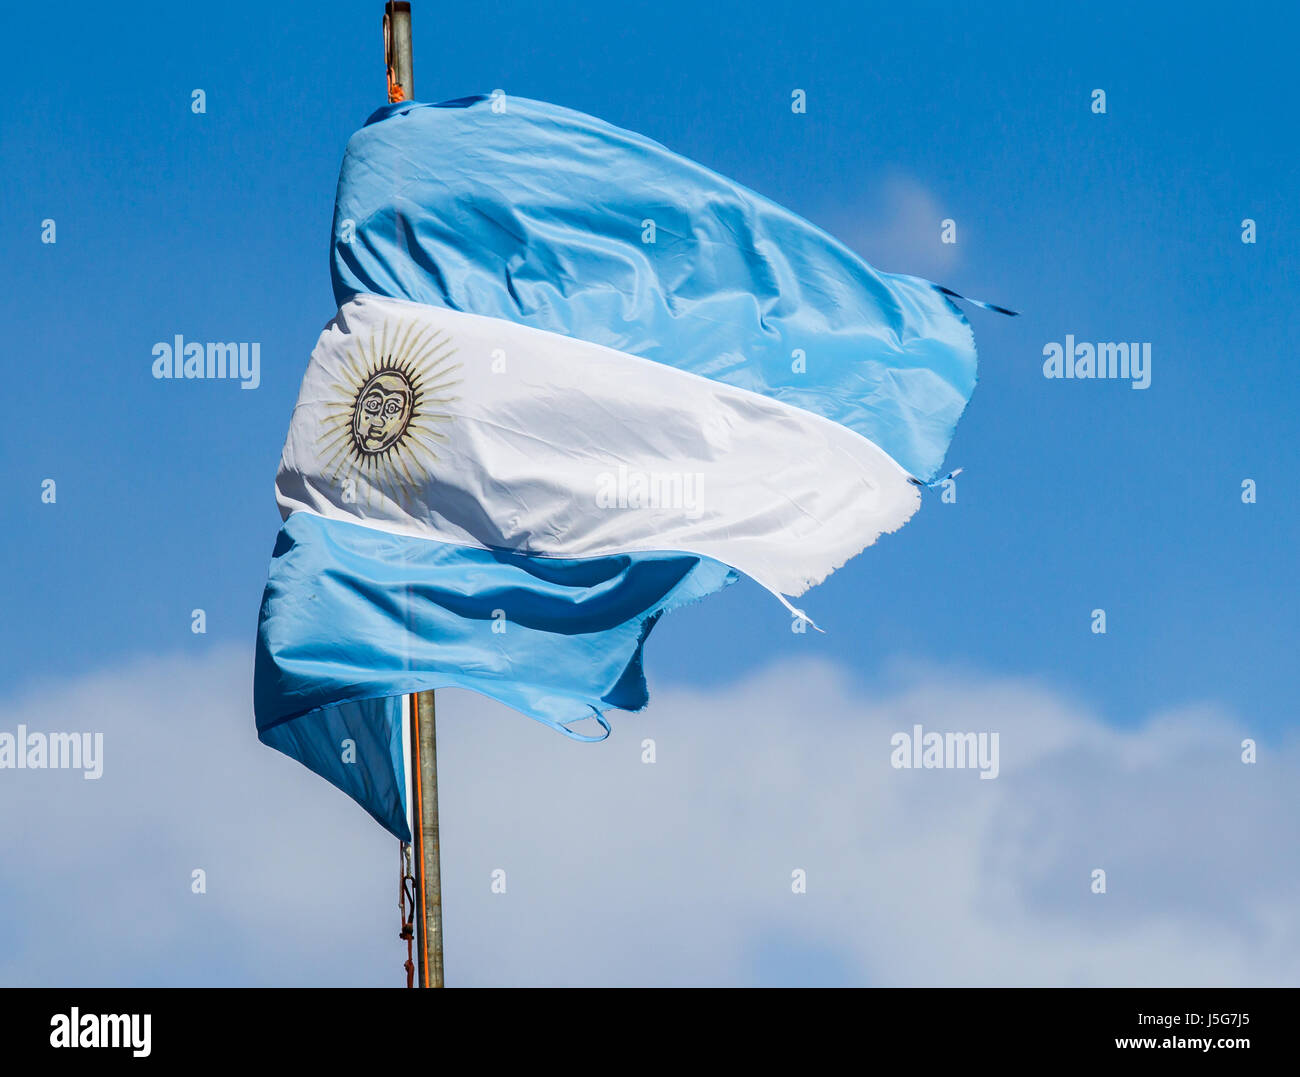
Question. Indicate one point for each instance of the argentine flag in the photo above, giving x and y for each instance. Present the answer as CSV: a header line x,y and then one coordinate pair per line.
x,y
575,381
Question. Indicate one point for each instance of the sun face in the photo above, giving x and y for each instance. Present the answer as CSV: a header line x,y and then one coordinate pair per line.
x,y
381,431
382,411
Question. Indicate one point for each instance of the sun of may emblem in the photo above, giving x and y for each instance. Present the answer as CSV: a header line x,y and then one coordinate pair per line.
x,y
382,425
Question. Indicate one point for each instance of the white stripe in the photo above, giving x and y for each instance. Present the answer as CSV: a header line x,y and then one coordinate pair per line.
x,y
532,441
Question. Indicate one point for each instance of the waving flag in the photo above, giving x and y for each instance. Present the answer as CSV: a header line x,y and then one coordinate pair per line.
x,y
574,381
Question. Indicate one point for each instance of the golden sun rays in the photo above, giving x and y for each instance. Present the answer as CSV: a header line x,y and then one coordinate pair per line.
x,y
381,430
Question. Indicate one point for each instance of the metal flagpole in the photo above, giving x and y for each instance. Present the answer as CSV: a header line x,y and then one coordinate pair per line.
x,y
423,746
428,874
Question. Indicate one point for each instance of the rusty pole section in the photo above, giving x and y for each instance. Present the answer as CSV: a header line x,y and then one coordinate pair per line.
x,y
428,868
423,747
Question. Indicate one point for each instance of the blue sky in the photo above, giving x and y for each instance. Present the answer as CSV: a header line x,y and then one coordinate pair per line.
x,y
1075,495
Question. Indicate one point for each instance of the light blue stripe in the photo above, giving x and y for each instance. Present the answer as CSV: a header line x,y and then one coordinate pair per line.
x,y
353,614
535,215
356,747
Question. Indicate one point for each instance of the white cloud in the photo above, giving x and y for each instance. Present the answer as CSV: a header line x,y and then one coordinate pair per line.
x,y
620,872
95,875
898,230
